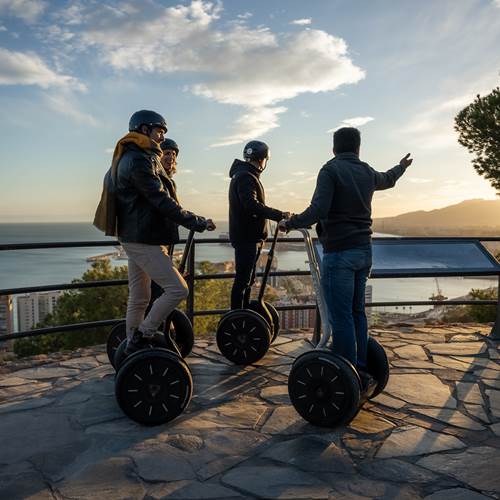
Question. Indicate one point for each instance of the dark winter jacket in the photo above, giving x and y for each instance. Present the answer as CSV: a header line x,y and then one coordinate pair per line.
x,y
342,201
248,212
147,207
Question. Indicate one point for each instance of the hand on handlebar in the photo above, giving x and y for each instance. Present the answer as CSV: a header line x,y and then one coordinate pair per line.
x,y
282,226
210,225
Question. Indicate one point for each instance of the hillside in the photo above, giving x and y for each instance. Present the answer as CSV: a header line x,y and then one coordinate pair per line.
x,y
470,217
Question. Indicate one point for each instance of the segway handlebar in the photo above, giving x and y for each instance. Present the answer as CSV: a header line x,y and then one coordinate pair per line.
x,y
316,281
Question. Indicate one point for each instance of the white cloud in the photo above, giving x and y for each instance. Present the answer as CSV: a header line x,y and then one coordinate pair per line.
x,y
249,67
28,10
2,28
432,128
302,22
246,15
357,121
255,123
19,68
65,103
418,180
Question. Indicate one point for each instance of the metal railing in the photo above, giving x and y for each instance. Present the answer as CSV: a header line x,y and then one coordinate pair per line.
x,y
192,277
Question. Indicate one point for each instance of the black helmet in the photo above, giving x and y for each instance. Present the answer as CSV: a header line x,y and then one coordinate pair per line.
x,y
256,150
169,144
145,117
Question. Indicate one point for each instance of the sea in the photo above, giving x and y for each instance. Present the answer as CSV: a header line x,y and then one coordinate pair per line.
x,y
23,268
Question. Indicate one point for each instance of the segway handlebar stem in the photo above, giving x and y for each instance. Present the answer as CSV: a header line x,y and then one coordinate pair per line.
x,y
269,262
187,251
326,331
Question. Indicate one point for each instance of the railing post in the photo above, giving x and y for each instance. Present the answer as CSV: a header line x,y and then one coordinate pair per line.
x,y
495,331
190,283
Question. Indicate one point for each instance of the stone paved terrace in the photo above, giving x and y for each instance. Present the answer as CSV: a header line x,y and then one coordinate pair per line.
x,y
434,433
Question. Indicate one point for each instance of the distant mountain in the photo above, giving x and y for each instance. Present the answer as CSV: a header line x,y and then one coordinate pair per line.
x,y
470,217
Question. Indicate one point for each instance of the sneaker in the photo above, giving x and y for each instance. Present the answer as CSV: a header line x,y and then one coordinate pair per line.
x,y
135,343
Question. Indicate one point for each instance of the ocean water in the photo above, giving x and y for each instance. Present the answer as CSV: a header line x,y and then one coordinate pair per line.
x,y
20,268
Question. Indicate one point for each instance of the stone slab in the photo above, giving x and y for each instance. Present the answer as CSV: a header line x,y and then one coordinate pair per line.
x,y
311,454
456,494
83,363
468,467
370,423
276,394
394,469
450,417
111,479
283,420
411,441
420,389
276,482
386,400
13,381
46,372
457,348
469,393
477,411
411,352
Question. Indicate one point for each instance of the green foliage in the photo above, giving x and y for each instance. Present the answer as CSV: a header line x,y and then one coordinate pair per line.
x,y
482,313
478,126
75,306
210,294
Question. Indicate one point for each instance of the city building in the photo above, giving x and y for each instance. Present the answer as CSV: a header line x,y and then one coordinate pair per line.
x,y
32,308
6,314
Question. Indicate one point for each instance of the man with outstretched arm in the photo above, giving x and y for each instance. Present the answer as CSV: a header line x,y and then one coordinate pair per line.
x,y
341,205
147,220
248,214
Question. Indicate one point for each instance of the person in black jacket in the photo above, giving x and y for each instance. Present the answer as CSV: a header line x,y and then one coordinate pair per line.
x,y
148,216
341,205
248,216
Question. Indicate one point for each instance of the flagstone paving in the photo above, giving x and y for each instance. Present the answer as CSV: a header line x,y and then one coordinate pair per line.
x,y
433,434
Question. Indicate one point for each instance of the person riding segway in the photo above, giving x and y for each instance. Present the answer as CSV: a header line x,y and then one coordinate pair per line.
x,y
341,205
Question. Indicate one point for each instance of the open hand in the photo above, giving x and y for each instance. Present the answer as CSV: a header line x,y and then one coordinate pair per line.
x,y
406,161
210,225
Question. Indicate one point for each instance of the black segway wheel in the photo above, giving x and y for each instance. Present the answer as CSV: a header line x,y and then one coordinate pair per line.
x,y
270,314
324,388
243,336
156,341
377,365
276,321
115,338
153,386
181,332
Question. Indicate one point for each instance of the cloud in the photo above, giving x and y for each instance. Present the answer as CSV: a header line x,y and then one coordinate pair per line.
x,y
28,10
417,180
19,68
253,68
432,127
2,28
65,103
247,15
301,22
255,123
357,121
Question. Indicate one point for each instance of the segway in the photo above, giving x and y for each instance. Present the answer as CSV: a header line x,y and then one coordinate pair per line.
x,y
154,385
177,326
324,387
245,335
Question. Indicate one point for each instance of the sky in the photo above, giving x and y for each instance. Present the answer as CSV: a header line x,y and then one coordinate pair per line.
x,y
287,72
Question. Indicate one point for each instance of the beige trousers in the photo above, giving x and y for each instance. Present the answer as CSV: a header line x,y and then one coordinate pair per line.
x,y
146,263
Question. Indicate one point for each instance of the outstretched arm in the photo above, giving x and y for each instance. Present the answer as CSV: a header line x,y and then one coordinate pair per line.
x,y
386,180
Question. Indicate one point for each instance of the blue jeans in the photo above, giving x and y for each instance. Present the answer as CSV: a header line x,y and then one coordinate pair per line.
x,y
343,279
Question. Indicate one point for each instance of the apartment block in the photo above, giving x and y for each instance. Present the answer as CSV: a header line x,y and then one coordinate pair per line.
x,y
32,308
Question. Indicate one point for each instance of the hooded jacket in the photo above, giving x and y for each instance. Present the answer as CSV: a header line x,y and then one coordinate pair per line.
x,y
248,212
146,202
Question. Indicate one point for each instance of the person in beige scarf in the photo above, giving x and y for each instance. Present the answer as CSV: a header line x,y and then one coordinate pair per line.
x,y
137,206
